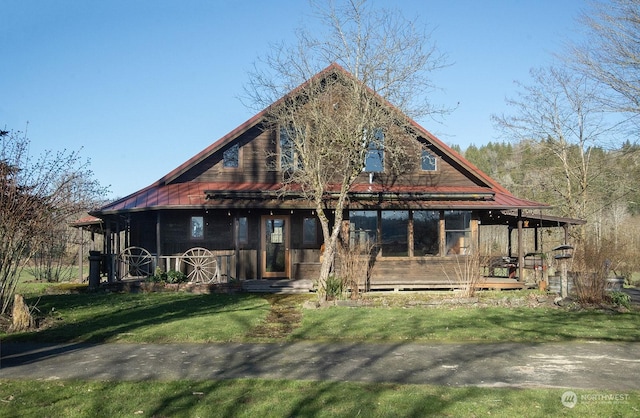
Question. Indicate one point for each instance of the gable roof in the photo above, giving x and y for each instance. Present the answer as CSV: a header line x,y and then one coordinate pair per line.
x,y
166,193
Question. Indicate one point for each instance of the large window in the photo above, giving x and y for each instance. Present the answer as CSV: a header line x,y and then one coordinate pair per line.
x,y
394,233
374,160
457,225
390,229
426,232
363,227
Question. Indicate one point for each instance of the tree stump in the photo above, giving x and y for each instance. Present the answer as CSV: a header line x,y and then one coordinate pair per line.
x,y
21,317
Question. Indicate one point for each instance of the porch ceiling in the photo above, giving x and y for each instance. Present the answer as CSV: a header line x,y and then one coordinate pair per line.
x,y
529,219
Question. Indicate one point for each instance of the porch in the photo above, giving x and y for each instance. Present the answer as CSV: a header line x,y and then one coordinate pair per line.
x,y
220,267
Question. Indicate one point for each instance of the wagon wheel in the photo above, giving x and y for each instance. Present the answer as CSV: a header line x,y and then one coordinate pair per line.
x,y
135,262
202,266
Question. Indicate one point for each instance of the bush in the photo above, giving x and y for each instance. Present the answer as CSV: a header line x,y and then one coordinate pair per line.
x,y
174,276
620,299
171,276
334,287
592,266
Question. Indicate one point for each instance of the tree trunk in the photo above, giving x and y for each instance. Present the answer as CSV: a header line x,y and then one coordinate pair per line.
x,y
330,248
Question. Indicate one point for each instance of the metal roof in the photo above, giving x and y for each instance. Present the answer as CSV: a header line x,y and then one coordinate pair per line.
x,y
167,193
227,195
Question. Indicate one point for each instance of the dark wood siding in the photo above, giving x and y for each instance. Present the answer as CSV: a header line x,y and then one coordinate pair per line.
x,y
256,151
257,164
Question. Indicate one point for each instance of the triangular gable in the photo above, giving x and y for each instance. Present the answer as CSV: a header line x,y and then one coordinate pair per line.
x,y
148,197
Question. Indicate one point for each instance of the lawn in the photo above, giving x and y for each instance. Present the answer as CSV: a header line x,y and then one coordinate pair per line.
x,y
282,398
184,317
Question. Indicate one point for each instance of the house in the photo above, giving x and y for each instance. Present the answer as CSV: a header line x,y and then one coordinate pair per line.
x,y
224,212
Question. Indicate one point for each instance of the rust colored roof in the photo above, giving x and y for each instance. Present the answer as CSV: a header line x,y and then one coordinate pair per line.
x,y
167,194
224,195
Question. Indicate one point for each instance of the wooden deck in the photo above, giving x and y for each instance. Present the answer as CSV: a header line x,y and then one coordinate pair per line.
x,y
500,283
277,286
306,285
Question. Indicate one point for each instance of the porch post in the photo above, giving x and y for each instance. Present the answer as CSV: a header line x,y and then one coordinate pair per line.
x,y
158,240
109,257
236,247
520,248
80,256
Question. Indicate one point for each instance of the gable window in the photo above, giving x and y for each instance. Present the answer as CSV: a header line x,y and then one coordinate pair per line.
x,y
197,227
374,160
457,225
231,157
428,161
289,159
309,231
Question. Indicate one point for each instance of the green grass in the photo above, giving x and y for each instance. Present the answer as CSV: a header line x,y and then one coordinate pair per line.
x,y
492,324
144,317
184,317
281,398
29,286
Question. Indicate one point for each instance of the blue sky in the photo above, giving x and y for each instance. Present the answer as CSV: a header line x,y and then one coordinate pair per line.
x,y
142,86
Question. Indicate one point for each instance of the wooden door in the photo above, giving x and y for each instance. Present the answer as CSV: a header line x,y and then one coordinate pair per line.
x,y
275,247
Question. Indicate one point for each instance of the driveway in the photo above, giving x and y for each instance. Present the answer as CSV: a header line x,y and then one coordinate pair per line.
x,y
584,365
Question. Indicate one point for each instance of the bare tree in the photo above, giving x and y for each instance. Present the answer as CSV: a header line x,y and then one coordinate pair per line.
x,y
611,53
560,113
35,197
334,121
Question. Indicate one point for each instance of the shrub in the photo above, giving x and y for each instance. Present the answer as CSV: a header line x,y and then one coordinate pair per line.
x,y
171,276
174,276
334,287
620,299
354,265
592,265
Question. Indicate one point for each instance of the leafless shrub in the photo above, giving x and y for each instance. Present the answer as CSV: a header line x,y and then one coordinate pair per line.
x,y
355,264
467,272
36,196
591,267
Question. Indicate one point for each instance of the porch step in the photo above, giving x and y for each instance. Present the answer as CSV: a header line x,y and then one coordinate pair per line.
x,y
277,286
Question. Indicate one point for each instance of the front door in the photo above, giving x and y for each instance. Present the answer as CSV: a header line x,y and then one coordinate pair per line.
x,y
275,246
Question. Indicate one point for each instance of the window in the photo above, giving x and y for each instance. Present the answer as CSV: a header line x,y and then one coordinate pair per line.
x,y
243,230
457,225
394,233
428,161
363,227
374,160
231,157
289,159
197,227
309,231
426,232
